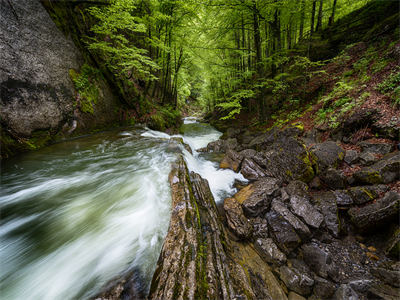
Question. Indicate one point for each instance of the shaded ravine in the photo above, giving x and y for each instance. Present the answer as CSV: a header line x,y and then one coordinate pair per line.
x,y
78,214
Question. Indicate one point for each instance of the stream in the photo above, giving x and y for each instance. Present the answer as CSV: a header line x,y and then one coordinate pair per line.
x,y
80,213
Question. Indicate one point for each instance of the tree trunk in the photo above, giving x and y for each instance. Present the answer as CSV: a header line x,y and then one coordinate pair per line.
x,y
319,22
313,16
302,15
332,17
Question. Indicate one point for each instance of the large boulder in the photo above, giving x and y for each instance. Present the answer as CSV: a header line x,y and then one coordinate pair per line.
x,y
232,160
377,147
333,178
236,220
318,258
326,204
303,208
378,213
296,280
384,171
282,232
269,251
328,155
251,170
256,197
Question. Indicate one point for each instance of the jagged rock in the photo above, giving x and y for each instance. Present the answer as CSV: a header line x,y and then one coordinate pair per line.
x,y
256,197
389,273
323,289
364,194
367,158
374,147
294,296
260,228
283,233
318,259
193,262
248,153
288,159
269,251
326,203
297,188
220,146
251,170
179,141
384,171
263,141
285,213
231,160
236,220
383,291
343,198
376,214
296,281
328,155
351,156
303,208
333,178
345,292
393,245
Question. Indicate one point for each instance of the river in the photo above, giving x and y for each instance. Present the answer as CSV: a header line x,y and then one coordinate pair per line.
x,y
78,214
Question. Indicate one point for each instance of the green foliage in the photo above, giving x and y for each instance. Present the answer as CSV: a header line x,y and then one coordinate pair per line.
x,y
165,117
340,91
85,85
391,86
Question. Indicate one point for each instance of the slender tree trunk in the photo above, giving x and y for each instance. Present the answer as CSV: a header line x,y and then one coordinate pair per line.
x,y
313,16
319,23
332,17
302,15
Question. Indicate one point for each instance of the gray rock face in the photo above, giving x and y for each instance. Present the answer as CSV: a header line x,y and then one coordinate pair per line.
x,y
377,213
351,156
367,158
251,170
257,197
323,289
269,251
284,212
373,147
283,233
303,208
343,198
296,281
333,178
326,203
318,259
345,292
328,154
236,220
384,171
36,91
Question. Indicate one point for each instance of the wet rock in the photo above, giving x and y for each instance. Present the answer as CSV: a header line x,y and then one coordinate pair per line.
x,y
384,171
317,258
345,292
334,179
294,296
251,170
343,198
280,208
269,251
393,245
374,147
383,291
193,260
296,281
260,228
288,159
326,204
323,289
303,208
282,232
297,188
363,194
236,220
231,160
351,156
328,155
220,146
256,197
367,158
376,214
389,273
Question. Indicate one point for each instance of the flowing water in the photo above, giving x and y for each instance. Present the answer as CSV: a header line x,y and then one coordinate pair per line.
x,y
77,214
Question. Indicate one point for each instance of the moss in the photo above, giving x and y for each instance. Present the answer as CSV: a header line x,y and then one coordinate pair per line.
x,y
374,177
